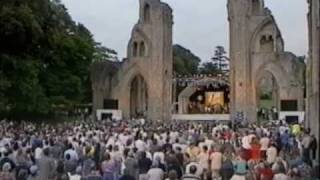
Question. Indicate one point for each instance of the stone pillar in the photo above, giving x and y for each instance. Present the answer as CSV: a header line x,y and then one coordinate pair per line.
x,y
313,74
239,60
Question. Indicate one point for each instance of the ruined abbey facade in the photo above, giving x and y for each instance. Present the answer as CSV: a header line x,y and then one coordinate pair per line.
x,y
142,83
257,50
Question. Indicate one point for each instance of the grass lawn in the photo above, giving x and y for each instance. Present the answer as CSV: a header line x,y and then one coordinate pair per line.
x,y
265,103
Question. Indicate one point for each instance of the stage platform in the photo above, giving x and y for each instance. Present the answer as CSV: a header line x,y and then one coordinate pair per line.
x,y
201,117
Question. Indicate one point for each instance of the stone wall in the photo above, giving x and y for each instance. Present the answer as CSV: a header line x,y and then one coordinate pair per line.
x,y
256,46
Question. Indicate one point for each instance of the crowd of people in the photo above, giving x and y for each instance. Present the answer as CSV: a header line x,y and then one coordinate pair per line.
x,y
154,150
268,114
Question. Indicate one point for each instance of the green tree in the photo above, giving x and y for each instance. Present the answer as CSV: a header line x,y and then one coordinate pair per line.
x,y
220,60
103,53
209,68
184,61
45,58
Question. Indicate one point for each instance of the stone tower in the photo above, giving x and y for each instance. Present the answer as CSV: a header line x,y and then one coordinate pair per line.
x,y
257,49
143,83
313,71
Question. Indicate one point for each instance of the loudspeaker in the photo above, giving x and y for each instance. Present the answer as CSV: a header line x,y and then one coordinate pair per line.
x,y
289,105
292,119
110,104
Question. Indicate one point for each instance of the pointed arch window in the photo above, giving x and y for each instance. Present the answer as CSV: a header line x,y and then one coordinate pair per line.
x,y
142,50
135,49
147,13
267,43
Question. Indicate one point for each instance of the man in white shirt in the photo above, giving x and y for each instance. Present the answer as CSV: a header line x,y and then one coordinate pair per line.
x,y
124,137
264,141
246,142
271,154
173,136
38,153
73,154
141,145
282,128
158,156
246,145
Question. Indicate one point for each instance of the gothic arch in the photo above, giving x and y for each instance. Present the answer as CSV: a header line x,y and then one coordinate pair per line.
x,y
275,34
138,96
281,79
267,21
266,43
276,70
139,36
123,91
275,88
142,49
280,75
135,49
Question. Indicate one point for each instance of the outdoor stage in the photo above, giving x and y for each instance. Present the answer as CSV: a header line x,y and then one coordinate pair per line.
x,y
201,117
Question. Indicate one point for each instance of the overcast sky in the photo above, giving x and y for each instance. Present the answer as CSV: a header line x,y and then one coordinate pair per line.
x,y
199,25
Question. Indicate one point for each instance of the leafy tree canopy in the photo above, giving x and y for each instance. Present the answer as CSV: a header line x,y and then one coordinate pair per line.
x,y
220,60
44,57
184,61
209,68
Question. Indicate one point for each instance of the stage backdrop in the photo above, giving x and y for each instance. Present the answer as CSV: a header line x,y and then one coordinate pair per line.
x,y
214,98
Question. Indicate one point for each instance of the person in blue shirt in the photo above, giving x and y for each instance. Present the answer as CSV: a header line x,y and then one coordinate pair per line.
x,y
285,139
241,169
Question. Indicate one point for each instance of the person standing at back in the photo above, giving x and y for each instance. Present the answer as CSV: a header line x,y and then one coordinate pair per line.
x,y
203,159
306,141
216,163
144,166
46,166
313,147
241,169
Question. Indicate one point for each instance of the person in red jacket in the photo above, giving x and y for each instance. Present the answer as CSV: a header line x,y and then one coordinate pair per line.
x,y
264,171
255,150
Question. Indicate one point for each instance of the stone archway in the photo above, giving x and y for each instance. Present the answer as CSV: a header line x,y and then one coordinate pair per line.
x,y
138,97
281,82
267,96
